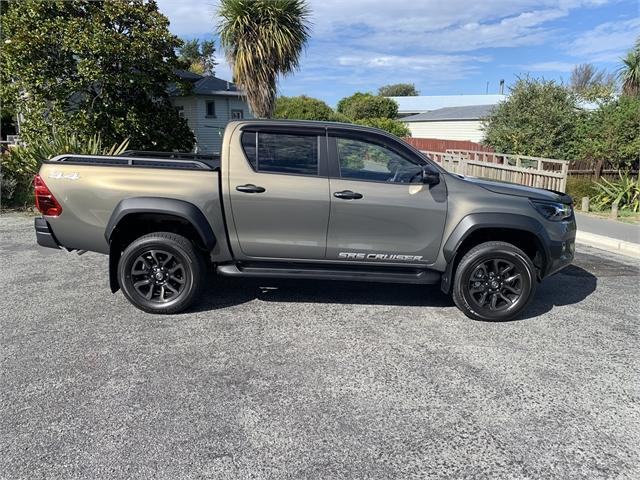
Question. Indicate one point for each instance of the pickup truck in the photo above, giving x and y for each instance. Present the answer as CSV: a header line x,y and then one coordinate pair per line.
x,y
308,200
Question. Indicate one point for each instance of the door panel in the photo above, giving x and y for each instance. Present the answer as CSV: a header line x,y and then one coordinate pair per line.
x,y
278,213
380,209
391,219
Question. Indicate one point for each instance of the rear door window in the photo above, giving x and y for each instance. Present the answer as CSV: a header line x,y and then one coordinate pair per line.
x,y
281,153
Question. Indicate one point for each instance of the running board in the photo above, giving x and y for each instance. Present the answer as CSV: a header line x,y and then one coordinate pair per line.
x,y
314,272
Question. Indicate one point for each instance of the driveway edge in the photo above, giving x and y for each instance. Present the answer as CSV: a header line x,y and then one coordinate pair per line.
x,y
609,244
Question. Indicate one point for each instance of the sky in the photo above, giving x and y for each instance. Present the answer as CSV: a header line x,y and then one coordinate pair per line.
x,y
444,47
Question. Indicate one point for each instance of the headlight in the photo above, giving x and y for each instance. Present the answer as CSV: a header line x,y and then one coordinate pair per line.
x,y
553,211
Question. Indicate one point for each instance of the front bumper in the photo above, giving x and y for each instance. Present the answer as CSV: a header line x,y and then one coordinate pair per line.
x,y
44,235
562,247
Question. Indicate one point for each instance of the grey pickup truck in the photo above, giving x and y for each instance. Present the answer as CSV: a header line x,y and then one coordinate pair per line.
x,y
309,200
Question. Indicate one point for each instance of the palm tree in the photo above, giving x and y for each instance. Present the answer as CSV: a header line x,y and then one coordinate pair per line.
x,y
262,39
630,71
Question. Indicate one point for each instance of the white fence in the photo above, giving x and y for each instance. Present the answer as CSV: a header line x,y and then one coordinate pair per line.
x,y
530,171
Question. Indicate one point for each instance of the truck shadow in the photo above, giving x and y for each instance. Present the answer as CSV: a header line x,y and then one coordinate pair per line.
x,y
570,286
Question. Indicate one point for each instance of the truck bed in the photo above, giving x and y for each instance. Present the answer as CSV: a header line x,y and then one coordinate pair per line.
x,y
91,187
144,159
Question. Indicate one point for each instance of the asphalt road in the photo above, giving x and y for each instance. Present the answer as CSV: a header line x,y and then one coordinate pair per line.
x,y
312,379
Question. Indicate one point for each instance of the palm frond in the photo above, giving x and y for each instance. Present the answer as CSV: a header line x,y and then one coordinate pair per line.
x,y
263,39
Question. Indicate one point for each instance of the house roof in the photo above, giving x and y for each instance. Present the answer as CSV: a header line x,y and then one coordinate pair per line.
x,y
467,112
204,85
425,103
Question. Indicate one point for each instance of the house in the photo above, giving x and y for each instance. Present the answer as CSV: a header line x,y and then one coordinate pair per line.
x,y
208,106
425,103
449,123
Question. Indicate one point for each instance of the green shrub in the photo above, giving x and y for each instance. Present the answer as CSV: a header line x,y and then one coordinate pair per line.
x,y
578,187
306,108
365,105
20,164
390,125
626,192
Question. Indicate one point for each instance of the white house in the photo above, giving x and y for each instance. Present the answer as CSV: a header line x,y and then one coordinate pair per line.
x,y
208,106
425,103
451,123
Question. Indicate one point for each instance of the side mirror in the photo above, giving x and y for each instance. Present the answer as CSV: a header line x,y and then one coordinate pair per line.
x,y
430,178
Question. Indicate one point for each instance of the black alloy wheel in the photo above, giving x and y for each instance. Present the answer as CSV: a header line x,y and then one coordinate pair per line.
x,y
494,281
161,272
495,284
159,276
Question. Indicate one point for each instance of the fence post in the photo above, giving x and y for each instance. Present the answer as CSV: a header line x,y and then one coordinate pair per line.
x,y
565,174
585,204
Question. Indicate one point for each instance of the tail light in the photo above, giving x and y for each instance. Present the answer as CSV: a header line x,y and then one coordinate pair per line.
x,y
45,201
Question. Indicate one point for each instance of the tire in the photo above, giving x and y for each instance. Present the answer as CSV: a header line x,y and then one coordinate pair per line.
x,y
161,273
494,270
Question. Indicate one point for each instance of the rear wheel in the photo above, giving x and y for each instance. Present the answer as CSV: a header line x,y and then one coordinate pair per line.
x,y
494,281
161,273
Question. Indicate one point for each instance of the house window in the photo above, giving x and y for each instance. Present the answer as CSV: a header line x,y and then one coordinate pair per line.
x,y
237,114
211,108
180,110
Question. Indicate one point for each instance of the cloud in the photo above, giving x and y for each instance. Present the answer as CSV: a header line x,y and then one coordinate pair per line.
x,y
190,18
607,42
552,66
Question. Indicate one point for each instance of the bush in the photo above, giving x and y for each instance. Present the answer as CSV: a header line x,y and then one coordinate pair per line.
x,y
306,108
390,125
611,134
626,192
538,118
365,105
578,187
20,164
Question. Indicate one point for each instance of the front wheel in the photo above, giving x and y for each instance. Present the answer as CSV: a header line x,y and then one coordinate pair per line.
x,y
161,272
494,281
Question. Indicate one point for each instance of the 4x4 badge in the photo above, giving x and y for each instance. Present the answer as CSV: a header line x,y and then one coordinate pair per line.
x,y
67,176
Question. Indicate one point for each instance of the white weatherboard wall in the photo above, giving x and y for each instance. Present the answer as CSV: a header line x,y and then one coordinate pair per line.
x,y
448,130
209,130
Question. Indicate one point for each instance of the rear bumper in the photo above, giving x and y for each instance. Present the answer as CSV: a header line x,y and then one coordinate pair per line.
x,y
44,235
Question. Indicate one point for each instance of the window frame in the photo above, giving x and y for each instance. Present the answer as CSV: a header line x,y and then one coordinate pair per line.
x,y
237,110
206,109
321,145
375,139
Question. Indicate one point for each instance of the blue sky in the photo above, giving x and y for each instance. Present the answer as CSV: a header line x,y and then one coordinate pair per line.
x,y
444,47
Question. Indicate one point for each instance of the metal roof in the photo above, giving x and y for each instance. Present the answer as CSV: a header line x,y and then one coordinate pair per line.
x,y
468,112
425,103
204,85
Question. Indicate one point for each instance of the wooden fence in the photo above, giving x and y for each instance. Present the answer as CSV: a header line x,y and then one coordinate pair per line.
x,y
530,171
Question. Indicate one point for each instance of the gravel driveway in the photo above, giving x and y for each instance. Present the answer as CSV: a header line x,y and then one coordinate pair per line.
x,y
312,379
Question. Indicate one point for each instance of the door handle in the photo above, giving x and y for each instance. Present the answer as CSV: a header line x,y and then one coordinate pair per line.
x,y
250,188
348,195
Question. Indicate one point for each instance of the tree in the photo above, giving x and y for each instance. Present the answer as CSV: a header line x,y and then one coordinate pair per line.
x,y
592,84
629,72
611,134
365,105
390,125
92,67
538,118
262,40
398,90
306,108
198,56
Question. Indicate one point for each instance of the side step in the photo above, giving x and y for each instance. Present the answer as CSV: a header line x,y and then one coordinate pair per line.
x,y
332,272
